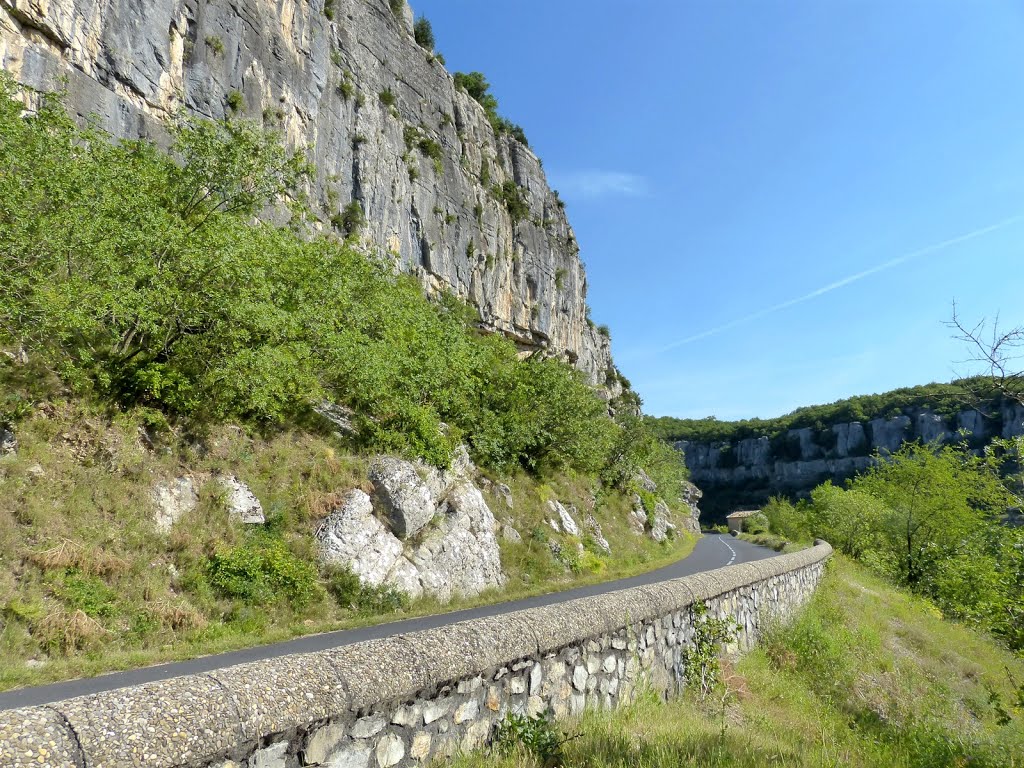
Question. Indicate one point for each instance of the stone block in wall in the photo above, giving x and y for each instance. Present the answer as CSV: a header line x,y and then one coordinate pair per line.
x,y
379,671
36,737
182,721
286,692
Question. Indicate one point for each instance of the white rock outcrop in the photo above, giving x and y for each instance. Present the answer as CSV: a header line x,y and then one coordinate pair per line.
x,y
351,535
462,556
662,526
565,519
8,442
456,554
173,500
402,495
242,503
598,535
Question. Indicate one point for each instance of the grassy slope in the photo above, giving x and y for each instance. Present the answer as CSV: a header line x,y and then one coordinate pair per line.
x,y
76,533
867,676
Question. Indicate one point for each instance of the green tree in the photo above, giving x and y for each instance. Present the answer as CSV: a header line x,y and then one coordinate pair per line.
x,y
940,502
852,520
424,33
476,85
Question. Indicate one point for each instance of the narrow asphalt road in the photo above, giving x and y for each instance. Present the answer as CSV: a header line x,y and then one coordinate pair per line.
x,y
712,551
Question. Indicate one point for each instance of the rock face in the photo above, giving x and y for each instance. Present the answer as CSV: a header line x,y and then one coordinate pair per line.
x,y
402,495
746,472
175,498
563,518
241,502
457,554
352,536
363,98
8,442
662,523
594,528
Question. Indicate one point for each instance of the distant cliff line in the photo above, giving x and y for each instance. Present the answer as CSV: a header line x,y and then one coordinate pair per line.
x,y
743,463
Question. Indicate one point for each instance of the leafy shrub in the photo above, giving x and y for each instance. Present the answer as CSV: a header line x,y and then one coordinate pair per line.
x,y
346,87
537,735
430,148
702,669
502,125
637,448
351,219
262,570
215,44
387,97
88,594
397,7
329,9
350,592
235,101
476,85
786,520
423,32
756,524
511,195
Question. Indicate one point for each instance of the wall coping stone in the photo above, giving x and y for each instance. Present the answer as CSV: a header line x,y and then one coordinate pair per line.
x,y
197,718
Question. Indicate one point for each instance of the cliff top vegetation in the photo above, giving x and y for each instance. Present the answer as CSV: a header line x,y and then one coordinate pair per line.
x,y
945,399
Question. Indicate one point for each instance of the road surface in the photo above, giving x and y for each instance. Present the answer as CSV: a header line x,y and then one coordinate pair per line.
x,y
712,551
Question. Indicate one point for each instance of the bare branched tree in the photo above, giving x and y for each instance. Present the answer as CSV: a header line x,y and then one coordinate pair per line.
x,y
999,352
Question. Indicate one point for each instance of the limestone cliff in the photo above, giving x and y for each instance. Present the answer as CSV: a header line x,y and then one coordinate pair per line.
x,y
380,117
746,472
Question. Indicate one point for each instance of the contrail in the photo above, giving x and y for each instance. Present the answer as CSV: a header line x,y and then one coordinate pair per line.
x,y
845,281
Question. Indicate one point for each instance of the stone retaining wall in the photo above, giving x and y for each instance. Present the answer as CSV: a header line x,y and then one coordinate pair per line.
x,y
404,700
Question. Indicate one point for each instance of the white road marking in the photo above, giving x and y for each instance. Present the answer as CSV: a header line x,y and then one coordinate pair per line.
x,y
733,558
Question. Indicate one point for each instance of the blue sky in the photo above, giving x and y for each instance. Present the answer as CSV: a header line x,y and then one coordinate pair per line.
x,y
777,201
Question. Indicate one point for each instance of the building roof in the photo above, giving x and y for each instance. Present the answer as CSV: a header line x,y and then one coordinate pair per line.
x,y
742,513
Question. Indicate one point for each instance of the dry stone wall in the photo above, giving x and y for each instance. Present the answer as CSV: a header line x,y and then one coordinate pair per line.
x,y
409,699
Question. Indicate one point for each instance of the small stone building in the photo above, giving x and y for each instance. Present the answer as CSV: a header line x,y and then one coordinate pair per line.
x,y
735,520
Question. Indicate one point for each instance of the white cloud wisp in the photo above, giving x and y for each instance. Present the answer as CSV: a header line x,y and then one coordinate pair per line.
x,y
593,185
842,282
